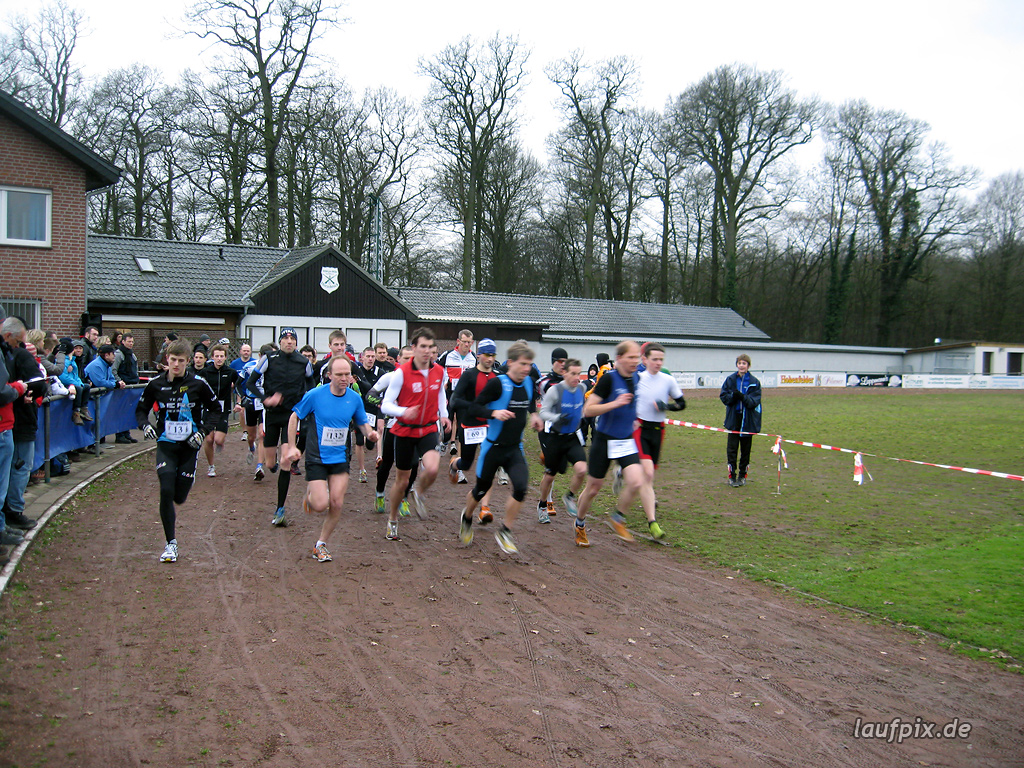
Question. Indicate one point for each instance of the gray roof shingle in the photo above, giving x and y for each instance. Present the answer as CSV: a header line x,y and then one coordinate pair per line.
x,y
591,317
199,274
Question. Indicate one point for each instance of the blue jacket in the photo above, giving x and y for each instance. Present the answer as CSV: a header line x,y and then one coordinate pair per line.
x,y
101,374
70,375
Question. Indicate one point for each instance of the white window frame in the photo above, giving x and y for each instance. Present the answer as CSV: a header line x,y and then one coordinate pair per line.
x,y
4,239
29,309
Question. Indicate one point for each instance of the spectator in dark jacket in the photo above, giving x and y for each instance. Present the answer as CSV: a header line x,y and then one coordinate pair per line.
x,y
741,395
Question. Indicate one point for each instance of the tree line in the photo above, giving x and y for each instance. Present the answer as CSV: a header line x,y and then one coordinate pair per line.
x,y
882,241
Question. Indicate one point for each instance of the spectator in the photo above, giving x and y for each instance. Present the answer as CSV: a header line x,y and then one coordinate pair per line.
x,y
126,368
161,356
9,392
90,336
101,370
21,367
72,379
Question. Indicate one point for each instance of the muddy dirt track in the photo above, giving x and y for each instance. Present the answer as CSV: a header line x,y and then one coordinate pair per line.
x,y
423,652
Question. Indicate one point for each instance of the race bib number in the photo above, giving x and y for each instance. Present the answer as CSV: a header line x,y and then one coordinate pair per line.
x,y
474,435
178,431
334,437
619,448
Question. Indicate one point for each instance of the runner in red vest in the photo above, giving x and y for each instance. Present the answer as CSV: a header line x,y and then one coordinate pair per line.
x,y
416,398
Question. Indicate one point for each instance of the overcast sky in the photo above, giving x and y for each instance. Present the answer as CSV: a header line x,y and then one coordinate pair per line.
x,y
954,63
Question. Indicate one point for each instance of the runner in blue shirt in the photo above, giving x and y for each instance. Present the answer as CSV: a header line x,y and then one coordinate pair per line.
x,y
330,410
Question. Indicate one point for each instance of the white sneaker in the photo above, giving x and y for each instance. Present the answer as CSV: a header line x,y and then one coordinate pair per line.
x,y
418,505
502,476
462,478
170,554
212,471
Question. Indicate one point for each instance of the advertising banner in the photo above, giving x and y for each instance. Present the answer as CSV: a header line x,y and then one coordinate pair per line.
x,y
873,380
997,382
935,381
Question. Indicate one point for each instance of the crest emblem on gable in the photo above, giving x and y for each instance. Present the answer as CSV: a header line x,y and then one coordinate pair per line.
x,y
329,279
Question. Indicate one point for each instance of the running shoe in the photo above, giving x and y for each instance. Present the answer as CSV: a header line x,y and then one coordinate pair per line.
x,y
259,473
581,535
502,476
251,457
462,478
569,499
655,529
617,482
403,508
465,528
320,553
485,515
453,448
377,463
742,480
542,514
278,519
505,541
392,532
212,471
305,505
453,471
418,505
170,554
362,475
295,470
243,436
551,508
378,503
619,526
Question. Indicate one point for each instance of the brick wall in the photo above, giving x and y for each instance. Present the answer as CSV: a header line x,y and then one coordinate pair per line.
x,y
55,275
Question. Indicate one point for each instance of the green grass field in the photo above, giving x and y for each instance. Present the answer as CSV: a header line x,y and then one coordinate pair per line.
x,y
931,548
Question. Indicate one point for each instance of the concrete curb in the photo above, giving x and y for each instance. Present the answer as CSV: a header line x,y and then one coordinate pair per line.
x,y
56,506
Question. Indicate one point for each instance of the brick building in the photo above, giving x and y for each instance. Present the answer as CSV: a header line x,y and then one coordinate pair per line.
x,y
45,177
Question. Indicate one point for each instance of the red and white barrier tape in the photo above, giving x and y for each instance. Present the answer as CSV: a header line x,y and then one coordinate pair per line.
x,y
780,439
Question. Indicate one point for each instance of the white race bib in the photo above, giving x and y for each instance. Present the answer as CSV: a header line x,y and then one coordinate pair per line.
x,y
619,448
221,405
474,435
333,437
178,431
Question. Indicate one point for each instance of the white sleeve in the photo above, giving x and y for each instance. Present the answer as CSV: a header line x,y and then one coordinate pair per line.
x,y
389,406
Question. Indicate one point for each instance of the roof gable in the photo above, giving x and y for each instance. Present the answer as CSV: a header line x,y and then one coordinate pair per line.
x,y
98,172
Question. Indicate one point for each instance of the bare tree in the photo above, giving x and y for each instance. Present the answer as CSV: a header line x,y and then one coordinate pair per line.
x,y
741,122
594,100
911,193
37,60
470,112
271,43
997,257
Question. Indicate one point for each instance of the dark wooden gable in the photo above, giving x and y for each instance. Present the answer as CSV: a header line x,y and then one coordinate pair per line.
x,y
298,293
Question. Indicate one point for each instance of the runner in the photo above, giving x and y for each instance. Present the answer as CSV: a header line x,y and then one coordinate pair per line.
x,y
386,446
508,403
562,412
329,412
380,351
336,344
252,412
366,375
222,379
286,376
186,412
416,396
656,393
546,504
455,361
471,431
612,402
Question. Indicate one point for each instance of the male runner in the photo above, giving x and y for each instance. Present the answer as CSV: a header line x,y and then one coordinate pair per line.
x,y
612,402
656,392
186,412
546,504
222,379
455,361
562,411
471,431
329,410
416,397
507,402
286,376
386,457
366,375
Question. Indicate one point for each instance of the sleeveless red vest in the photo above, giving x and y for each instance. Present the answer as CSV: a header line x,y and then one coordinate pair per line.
x,y
423,391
